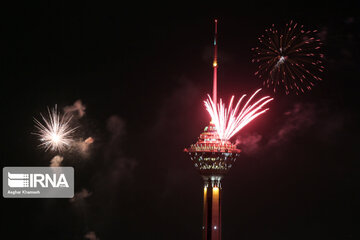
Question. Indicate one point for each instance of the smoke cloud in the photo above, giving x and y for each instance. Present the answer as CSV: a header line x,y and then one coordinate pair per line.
x,y
116,126
77,109
80,196
83,146
120,165
91,236
249,143
300,119
56,161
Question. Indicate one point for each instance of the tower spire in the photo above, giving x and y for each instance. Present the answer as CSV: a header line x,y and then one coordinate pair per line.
x,y
215,65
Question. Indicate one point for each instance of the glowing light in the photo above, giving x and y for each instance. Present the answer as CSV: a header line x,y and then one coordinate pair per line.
x,y
289,59
229,121
56,133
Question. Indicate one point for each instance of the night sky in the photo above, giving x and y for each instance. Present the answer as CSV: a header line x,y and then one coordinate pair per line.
x,y
142,72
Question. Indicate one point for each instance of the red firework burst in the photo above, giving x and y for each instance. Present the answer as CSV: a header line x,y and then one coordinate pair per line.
x,y
228,120
290,60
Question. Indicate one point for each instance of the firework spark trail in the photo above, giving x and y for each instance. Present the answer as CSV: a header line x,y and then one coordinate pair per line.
x,y
229,121
290,59
56,133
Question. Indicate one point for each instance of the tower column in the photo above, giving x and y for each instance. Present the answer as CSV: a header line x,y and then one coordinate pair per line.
x,y
212,210
205,212
215,231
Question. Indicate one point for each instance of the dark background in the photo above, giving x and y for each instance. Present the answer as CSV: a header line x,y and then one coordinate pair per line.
x,y
142,72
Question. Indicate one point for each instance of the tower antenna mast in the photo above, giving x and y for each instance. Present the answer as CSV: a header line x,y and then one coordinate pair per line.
x,y
215,66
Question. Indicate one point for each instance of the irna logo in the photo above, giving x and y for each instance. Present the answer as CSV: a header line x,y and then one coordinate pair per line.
x,y
38,182
19,180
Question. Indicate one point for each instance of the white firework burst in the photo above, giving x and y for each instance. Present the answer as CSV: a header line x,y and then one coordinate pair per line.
x,y
55,133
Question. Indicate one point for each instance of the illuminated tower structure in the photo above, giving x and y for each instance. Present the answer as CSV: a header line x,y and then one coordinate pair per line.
x,y
212,157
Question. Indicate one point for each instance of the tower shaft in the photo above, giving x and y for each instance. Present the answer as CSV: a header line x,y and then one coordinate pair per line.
x,y
212,210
